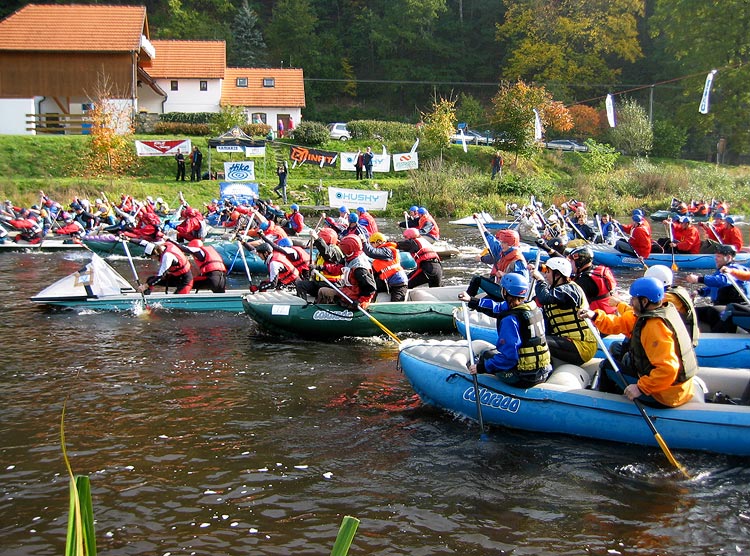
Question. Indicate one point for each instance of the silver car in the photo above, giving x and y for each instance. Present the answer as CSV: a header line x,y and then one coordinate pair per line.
x,y
566,145
339,132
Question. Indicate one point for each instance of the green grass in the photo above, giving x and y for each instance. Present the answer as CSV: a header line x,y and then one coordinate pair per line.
x,y
449,182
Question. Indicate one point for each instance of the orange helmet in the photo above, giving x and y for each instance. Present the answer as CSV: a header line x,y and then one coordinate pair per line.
x,y
351,245
508,236
195,243
411,233
328,236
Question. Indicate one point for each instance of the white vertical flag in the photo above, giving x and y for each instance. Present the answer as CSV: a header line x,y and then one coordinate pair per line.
x,y
537,126
703,108
463,140
414,146
610,104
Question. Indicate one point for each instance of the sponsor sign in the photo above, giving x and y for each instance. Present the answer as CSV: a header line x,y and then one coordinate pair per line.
x,y
303,155
405,161
255,152
347,161
229,148
239,171
163,147
238,191
381,163
371,200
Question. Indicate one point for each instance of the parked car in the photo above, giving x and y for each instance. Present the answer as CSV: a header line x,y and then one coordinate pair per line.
x,y
566,145
339,132
472,138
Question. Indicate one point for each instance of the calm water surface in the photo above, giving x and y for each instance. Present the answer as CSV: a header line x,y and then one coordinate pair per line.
x,y
203,437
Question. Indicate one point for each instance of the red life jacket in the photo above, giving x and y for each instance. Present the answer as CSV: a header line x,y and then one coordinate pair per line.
x,y
212,261
289,273
386,269
605,283
505,262
351,287
435,231
181,265
426,251
302,264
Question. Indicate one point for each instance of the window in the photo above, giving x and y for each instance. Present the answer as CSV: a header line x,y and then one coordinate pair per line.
x,y
242,81
258,118
269,82
204,85
173,85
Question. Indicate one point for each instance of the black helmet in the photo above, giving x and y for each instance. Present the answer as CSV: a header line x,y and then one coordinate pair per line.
x,y
263,248
582,255
557,244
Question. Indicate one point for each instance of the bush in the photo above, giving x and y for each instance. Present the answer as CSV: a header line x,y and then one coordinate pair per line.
x,y
668,139
256,130
181,128
381,131
311,133
188,117
599,158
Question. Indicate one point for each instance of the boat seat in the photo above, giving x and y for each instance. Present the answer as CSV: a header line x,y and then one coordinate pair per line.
x,y
383,297
569,376
421,295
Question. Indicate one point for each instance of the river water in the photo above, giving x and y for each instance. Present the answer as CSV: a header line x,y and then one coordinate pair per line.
x,y
201,436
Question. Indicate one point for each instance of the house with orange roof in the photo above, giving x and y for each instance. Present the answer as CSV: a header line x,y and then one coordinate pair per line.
x,y
53,58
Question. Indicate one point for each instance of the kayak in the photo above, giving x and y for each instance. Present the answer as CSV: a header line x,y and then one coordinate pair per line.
x,y
713,350
425,310
661,215
49,244
99,287
611,257
565,404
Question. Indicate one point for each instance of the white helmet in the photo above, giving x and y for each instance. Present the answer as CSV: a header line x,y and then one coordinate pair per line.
x,y
159,200
552,218
662,273
560,264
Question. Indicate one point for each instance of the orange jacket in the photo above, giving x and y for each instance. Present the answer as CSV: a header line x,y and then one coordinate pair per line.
x,y
690,240
661,348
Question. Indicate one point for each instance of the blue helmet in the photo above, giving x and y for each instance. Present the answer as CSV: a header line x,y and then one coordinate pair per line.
x,y
649,287
684,220
515,284
413,208
637,218
361,209
639,212
422,210
729,220
353,218
294,207
343,209
264,226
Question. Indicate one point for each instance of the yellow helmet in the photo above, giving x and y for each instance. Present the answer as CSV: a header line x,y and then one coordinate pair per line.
x,y
377,237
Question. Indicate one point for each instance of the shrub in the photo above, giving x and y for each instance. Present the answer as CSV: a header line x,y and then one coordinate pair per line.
x,y
181,128
311,133
188,117
668,139
600,157
380,130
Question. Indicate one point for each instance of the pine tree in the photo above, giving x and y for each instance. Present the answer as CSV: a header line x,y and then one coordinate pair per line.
x,y
249,48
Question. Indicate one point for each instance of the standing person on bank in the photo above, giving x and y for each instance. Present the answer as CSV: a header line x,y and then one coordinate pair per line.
x,y
282,170
196,161
367,160
180,158
359,163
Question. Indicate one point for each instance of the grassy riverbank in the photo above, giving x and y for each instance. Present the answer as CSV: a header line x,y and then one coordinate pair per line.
x,y
449,182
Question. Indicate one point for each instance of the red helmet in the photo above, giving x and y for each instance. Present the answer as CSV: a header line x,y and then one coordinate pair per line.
x,y
508,236
411,233
328,236
351,245
195,243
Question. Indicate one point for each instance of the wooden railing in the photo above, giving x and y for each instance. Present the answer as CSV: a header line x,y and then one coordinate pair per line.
x,y
58,124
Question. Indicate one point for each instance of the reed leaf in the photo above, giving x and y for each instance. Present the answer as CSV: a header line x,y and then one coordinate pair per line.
x,y
345,537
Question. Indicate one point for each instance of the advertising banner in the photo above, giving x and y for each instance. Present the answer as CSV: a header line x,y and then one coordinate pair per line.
x,y
163,147
229,148
239,171
239,192
347,161
405,161
371,200
303,155
381,163
255,152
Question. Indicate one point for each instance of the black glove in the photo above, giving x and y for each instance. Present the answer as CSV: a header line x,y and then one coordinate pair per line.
x,y
354,305
151,280
540,242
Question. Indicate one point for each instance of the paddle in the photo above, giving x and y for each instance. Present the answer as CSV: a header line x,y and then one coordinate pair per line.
x,y
599,225
146,307
643,262
530,293
482,230
241,248
368,315
671,240
637,403
465,311
737,287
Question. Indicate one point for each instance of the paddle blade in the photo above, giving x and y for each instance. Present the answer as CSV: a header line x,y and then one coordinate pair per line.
x,y
670,457
674,266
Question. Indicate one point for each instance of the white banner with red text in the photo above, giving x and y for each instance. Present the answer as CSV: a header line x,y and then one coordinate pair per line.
x,y
163,147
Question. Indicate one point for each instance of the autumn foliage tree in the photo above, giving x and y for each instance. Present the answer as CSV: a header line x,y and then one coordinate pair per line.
x,y
111,150
439,123
586,121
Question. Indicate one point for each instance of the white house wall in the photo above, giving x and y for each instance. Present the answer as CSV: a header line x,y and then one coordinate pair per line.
x,y
13,115
189,98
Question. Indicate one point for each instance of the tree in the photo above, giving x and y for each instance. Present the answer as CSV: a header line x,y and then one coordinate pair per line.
x,y
632,134
585,121
439,123
292,36
513,114
569,45
470,111
249,48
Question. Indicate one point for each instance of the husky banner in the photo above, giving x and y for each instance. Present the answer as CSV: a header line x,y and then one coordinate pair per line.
x,y
303,155
238,192
405,161
371,200
239,171
163,147
347,161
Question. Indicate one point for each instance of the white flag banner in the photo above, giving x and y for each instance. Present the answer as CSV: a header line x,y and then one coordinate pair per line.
x,y
405,161
610,104
239,171
163,147
381,163
463,140
703,108
537,126
414,146
255,152
371,200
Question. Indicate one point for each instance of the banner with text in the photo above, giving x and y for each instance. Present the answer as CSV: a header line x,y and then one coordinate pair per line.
x,y
239,171
255,152
371,200
238,192
405,161
303,155
163,147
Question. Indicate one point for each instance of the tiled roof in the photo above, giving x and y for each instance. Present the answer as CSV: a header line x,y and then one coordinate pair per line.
x,y
41,27
188,59
288,89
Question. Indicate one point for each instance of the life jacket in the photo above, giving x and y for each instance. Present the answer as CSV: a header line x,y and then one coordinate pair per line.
x,y
683,344
386,269
606,284
435,231
181,265
212,261
564,321
680,298
351,287
507,260
288,273
426,252
302,264
533,355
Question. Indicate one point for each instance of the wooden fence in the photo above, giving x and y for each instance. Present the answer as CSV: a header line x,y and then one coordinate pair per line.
x,y
58,124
